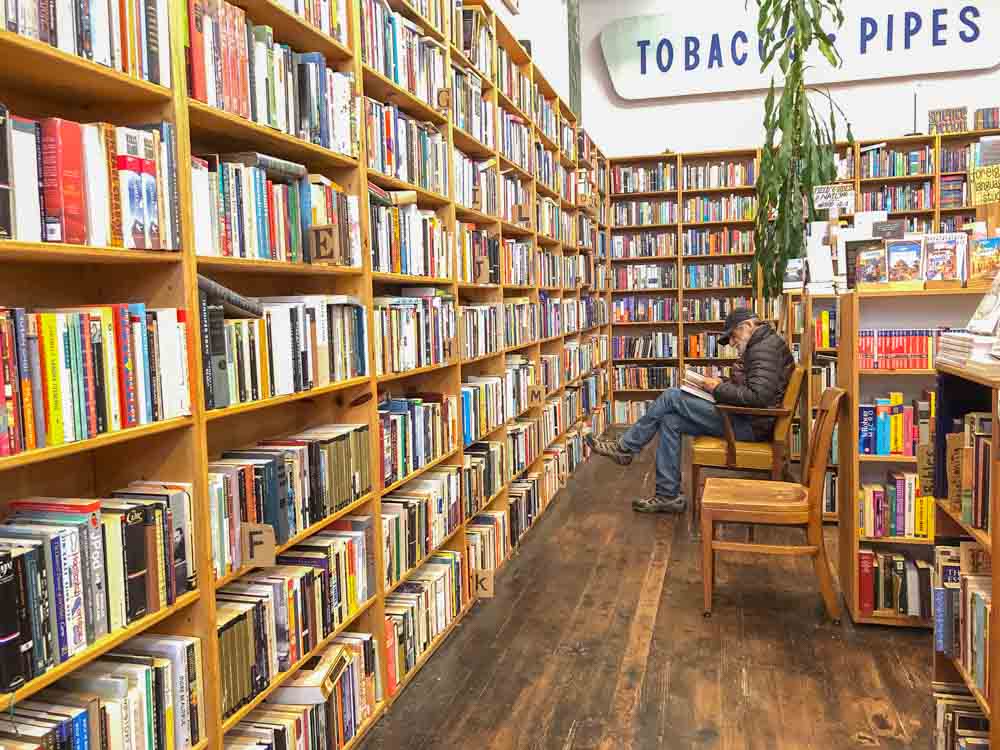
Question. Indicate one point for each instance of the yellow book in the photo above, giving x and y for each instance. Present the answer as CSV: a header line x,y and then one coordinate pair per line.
x,y
825,326
265,372
895,422
48,337
920,517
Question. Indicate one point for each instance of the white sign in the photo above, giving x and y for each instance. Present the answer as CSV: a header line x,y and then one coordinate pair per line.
x,y
715,48
840,197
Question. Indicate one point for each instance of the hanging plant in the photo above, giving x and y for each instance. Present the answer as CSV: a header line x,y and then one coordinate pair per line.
x,y
798,152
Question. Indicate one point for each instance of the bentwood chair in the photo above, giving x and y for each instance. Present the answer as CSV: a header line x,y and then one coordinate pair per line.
x,y
748,501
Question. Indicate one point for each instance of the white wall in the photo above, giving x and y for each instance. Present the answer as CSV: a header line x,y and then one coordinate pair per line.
x,y
700,123
544,22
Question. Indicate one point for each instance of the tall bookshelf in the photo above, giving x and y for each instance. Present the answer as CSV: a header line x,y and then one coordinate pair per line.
x,y
682,257
40,81
883,309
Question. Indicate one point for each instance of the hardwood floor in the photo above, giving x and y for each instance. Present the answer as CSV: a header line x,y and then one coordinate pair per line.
x,y
596,640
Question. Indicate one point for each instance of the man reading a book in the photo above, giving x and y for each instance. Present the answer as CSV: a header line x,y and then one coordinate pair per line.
x,y
759,380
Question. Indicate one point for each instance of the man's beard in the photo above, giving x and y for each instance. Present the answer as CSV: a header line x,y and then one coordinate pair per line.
x,y
741,346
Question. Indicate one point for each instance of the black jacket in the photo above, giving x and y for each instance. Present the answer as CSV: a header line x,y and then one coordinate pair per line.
x,y
759,378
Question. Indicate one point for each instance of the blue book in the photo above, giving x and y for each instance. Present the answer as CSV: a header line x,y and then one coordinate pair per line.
x,y
939,620
866,431
137,312
883,426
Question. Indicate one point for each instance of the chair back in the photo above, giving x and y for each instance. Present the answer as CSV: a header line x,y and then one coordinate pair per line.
x,y
827,416
783,425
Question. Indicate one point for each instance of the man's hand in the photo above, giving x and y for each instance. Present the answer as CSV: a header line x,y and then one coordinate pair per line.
x,y
711,384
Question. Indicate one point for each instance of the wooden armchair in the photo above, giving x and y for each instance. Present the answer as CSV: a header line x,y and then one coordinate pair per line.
x,y
794,504
740,455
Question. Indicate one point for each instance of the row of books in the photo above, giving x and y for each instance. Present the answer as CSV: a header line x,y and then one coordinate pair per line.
x,y
478,254
520,321
698,242
969,456
406,239
546,163
515,199
148,692
627,412
420,610
482,329
895,509
713,275
88,184
133,40
908,263
483,406
288,483
580,357
293,345
399,50
963,594
643,377
550,269
471,111
644,276
645,178
487,540
76,570
323,705
644,212
707,346
526,501
473,34
720,174
549,219
960,723
892,198
714,308
893,584
404,147
723,208
513,82
883,161
475,182
889,427
515,140
483,476
275,223
74,373
896,348
545,112
655,345
413,330
238,67
954,192
415,431
518,263
644,309
567,139
417,518
825,334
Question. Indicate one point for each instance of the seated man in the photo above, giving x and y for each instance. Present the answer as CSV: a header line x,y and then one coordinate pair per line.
x,y
759,381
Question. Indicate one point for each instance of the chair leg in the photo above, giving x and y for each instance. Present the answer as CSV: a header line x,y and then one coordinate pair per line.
x,y
695,500
707,561
821,564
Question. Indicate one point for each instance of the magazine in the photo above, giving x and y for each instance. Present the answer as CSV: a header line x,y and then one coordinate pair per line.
x,y
697,385
944,256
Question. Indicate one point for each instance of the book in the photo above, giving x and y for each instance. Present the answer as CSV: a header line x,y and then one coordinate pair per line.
x,y
695,384
945,256
984,260
905,260
402,342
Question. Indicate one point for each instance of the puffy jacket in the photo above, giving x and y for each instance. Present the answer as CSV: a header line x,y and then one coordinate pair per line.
x,y
759,378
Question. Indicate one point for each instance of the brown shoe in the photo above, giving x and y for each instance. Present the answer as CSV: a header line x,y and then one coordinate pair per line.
x,y
609,449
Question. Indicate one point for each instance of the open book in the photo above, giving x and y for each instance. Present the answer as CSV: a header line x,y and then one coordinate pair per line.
x,y
697,385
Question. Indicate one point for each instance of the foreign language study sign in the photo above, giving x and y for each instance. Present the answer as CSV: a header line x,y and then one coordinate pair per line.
x,y
712,46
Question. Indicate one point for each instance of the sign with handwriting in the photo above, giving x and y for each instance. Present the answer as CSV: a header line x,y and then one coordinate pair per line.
x,y
985,183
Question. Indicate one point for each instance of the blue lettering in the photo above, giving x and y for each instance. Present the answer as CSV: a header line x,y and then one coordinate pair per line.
x,y
937,26
715,53
664,45
642,44
913,25
965,16
738,58
888,29
691,56
869,28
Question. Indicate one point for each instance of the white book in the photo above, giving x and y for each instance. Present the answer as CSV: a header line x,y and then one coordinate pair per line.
x,y
24,170
163,33
128,143
260,82
100,32
65,26
170,353
152,215
280,337
97,187
114,16
167,239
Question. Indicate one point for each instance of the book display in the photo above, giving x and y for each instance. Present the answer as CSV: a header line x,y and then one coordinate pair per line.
x,y
311,380
673,280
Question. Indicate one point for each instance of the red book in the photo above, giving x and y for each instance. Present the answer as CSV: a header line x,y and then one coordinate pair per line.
x,y
866,581
58,504
6,414
390,647
62,181
908,431
196,52
10,390
272,229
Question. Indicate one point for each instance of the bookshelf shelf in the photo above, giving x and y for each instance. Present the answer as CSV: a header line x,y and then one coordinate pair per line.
x,y
426,197
409,278
547,241
213,415
641,227
377,86
733,288
281,677
981,699
424,657
718,223
507,103
514,230
470,145
31,66
416,371
417,17
548,143
98,648
547,190
723,258
644,322
41,455
644,259
405,576
989,382
465,213
719,190
648,290
483,357
900,621
895,540
230,132
512,166
295,31
897,178
895,459
920,292
672,192
417,472
272,267
55,252
980,535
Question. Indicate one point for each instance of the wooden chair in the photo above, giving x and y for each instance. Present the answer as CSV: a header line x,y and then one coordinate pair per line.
x,y
776,504
741,455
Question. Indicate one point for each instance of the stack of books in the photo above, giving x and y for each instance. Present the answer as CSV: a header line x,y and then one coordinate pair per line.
x,y
643,245
520,321
888,427
418,517
416,329
432,419
406,239
896,509
893,584
963,594
416,153
487,540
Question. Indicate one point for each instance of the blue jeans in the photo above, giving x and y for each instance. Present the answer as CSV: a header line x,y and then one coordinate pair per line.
x,y
673,414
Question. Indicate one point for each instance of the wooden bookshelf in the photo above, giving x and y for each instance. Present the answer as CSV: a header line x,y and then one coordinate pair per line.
x,y
949,526
44,274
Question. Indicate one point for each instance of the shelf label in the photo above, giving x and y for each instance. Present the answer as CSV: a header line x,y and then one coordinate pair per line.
x,y
482,583
985,182
259,547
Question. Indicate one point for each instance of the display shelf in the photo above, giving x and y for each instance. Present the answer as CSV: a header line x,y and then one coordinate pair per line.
x,y
95,650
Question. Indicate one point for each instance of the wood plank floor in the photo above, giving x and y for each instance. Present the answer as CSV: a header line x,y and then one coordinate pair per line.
x,y
596,640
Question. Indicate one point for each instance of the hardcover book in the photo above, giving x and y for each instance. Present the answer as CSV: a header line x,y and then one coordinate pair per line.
x,y
984,260
904,259
871,265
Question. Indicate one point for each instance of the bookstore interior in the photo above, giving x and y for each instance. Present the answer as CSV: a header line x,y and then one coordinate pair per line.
x,y
307,311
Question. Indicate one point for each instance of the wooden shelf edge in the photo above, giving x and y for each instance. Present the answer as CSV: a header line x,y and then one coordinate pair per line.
x,y
58,252
266,403
984,704
980,535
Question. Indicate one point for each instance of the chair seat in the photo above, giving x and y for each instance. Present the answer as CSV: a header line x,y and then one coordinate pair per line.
x,y
711,451
754,496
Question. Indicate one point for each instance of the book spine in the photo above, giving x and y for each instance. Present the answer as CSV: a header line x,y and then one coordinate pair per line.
x,y
125,367
62,180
